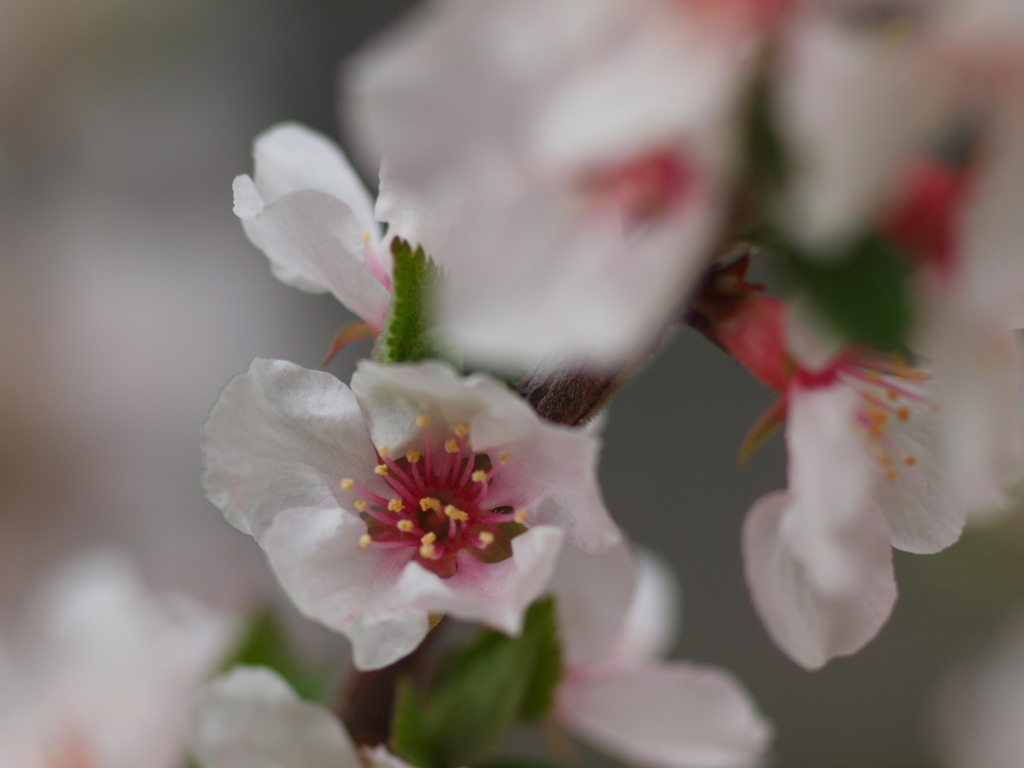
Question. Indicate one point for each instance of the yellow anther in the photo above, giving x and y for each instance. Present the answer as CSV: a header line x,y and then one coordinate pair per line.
x,y
455,513
910,461
903,413
479,476
462,429
360,505
422,422
427,550
366,238
412,456
381,469
878,417
347,484
893,394
486,537
890,474
428,538
429,503
364,540
451,445
405,526
384,451
396,505
504,458
521,515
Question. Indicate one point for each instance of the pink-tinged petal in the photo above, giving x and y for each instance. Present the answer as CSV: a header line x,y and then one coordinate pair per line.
x,y
291,157
652,622
250,718
315,243
317,557
496,594
279,437
593,594
978,369
854,103
813,626
668,716
831,480
551,470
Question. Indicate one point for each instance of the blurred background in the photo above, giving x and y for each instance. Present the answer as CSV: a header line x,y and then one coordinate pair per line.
x,y
129,296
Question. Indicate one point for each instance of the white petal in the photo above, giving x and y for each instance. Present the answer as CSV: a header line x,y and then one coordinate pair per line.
x,y
854,103
593,594
495,594
315,243
552,469
924,516
380,757
810,625
248,202
668,716
316,555
652,623
250,718
831,480
281,436
290,157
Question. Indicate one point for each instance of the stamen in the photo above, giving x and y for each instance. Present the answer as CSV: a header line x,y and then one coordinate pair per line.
x,y
347,484
455,513
890,474
381,469
364,540
462,430
360,505
427,551
430,503
406,526
412,456
909,460
504,458
486,537
451,445
428,538
903,414
422,422
396,505
521,515
479,476
383,451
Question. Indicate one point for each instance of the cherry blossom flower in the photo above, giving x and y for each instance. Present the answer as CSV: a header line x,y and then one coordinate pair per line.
x,y
103,672
618,617
867,445
415,491
308,211
251,717
582,147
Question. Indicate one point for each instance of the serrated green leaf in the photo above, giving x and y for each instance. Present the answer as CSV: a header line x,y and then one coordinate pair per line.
x,y
864,291
479,694
264,643
405,336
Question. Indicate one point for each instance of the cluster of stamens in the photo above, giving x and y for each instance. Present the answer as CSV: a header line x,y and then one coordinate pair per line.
x,y
436,510
889,390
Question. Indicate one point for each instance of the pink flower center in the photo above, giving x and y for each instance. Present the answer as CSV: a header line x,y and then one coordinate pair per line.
x,y
641,189
890,392
436,510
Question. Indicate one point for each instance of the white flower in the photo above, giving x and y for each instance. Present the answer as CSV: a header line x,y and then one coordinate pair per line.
x,y
407,494
582,149
617,617
250,718
103,672
310,214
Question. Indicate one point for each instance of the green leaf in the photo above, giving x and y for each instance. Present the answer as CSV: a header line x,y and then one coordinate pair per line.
x,y
864,291
264,643
405,336
479,694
